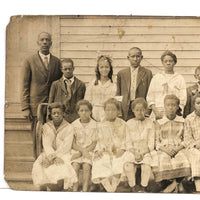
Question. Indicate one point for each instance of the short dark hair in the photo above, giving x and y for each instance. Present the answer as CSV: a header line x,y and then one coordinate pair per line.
x,y
169,53
56,105
139,100
83,102
98,75
137,48
112,101
45,33
67,60
172,96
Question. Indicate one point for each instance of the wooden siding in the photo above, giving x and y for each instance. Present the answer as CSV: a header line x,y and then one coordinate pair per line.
x,y
83,38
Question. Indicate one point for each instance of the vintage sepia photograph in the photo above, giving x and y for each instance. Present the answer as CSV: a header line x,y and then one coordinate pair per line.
x,y
102,103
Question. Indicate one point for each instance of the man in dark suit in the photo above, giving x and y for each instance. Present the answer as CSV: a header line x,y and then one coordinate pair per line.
x,y
68,90
132,82
39,71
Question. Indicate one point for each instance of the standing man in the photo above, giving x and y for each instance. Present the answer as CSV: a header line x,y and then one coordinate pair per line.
x,y
39,71
132,82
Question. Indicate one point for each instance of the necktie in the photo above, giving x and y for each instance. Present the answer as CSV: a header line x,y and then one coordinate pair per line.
x,y
46,62
68,86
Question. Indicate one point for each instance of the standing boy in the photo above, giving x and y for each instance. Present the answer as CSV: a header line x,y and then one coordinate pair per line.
x,y
132,82
68,90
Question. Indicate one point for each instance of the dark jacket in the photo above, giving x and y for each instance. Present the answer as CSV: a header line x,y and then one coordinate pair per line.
x,y
37,80
58,93
124,83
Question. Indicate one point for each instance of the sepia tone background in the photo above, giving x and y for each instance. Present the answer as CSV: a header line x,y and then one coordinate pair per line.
x,y
83,38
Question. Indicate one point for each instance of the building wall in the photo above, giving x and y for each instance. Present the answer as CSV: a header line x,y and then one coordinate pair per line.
x,y
83,38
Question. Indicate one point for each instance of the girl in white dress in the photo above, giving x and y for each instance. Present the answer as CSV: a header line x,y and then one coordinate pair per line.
x,y
84,142
110,153
53,166
140,144
162,84
102,88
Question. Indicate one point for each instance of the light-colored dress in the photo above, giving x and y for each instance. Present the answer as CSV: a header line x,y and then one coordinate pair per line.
x,y
97,95
191,138
84,136
170,132
58,142
111,137
163,84
142,139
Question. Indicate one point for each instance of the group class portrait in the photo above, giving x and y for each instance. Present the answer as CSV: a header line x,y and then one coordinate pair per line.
x,y
133,126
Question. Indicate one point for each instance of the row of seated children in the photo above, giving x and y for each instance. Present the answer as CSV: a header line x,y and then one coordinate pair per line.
x,y
110,151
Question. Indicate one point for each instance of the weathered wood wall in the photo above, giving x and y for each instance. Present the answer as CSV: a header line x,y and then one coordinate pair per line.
x,y
83,38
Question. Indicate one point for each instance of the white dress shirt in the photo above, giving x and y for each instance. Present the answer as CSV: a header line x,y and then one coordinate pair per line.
x,y
43,57
134,73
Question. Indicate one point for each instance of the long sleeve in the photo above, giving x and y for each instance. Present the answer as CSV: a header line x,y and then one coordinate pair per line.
x,y
188,137
151,138
118,92
47,140
157,136
52,93
81,92
151,95
66,145
26,81
187,109
88,93
183,94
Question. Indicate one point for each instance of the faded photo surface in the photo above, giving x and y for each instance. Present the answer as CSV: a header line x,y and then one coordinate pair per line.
x,y
103,104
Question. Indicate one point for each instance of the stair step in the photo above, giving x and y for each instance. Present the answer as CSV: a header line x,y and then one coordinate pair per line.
x,y
16,149
18,135
20,125
18,176
18,166
22,185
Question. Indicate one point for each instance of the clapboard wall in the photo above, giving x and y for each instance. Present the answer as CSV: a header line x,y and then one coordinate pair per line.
x,y
83,38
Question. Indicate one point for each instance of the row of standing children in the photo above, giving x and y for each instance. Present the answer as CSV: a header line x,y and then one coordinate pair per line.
x,y
110,151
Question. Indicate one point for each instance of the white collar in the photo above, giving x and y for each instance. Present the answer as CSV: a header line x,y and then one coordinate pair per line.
x,y
71,79
43,56
165,120
134,69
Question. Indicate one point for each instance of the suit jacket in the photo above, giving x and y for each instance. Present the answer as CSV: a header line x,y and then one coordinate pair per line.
x,y
37,80
191,92
124,83
58,93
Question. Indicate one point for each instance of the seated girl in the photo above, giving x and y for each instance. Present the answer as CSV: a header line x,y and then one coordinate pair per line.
x,y
173,164
53,167
140,145
84,142
109,153
192,140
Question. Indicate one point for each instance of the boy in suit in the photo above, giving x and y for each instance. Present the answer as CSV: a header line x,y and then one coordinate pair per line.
x,y
68,90
39,71
192,91
132,82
